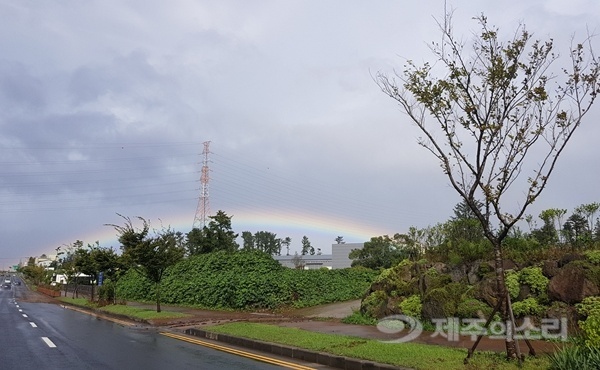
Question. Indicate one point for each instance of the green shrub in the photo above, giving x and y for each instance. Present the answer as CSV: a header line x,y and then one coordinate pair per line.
x,y
521,249
536,280
106,292
412,306
528,307
484,269
443,302
358,318
434,279
374,304
247,280
588,305
590,327
134,286
593,256
512,283
472,308
397,278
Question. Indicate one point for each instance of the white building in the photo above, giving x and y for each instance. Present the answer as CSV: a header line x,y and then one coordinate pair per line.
x,y
338,259
45,260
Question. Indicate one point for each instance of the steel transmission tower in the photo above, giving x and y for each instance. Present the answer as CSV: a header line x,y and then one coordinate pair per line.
x,y
203,209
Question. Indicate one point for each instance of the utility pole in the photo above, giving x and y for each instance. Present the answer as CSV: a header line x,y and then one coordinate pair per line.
x,y
203,208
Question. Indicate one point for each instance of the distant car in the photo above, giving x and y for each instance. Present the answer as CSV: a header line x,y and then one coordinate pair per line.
x,y
6,286
18,282
7,281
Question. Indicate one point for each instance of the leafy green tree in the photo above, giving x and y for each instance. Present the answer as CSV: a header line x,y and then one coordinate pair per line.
x,y
267,242
556,215
216,236
286,242
37,274
589,212
435,236
414,243
150,255
340,240
462,211
547,235
496,106
380,252
195,242
68,264
464,225
248,239
576,231
95,259
307,248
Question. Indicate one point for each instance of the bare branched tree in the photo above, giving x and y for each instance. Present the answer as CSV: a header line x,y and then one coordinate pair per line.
x,y
497,120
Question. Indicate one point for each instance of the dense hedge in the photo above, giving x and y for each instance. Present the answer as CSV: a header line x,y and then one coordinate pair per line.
x,y
247,280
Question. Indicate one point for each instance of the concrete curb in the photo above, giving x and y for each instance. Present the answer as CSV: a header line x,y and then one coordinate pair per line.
x,y
340,362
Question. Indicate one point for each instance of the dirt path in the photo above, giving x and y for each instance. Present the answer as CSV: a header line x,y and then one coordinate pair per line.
x,y
337,310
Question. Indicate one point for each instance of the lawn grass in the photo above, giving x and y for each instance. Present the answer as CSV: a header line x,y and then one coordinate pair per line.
x,y
141,313
129,311
413,355
81,302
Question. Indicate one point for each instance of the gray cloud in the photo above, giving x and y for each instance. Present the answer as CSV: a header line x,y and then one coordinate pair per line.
x,y
104,107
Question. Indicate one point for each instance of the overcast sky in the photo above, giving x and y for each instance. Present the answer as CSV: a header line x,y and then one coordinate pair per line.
x,y
105,106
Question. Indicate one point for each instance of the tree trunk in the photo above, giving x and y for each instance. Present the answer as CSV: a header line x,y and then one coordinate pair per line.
x,y
157,297
505,308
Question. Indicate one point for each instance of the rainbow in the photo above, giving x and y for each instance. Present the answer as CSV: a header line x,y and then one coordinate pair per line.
x,y
320,229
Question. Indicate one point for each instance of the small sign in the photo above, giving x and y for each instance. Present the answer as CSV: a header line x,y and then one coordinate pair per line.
x,y
100,278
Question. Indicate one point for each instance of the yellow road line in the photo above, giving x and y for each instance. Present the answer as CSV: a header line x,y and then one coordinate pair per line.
x,y
254,356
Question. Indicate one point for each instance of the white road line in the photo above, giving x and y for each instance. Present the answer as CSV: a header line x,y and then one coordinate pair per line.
x,y
49,342
24,315
20,310
33,324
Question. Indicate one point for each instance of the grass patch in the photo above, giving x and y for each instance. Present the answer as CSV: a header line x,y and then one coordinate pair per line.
x,y
414,355
81,302
141,313
129,311
357,318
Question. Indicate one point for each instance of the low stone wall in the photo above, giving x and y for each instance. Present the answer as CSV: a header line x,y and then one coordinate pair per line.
x,y
49,292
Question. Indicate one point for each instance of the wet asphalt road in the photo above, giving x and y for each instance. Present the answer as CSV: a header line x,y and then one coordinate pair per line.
x,y
44,336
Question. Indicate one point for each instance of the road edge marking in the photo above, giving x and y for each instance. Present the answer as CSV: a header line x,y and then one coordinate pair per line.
x,y
254,356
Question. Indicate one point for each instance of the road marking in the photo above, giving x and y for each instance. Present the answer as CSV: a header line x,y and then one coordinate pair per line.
x,y
20,310
254,356
24,315
33,324
49,342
